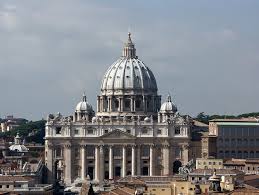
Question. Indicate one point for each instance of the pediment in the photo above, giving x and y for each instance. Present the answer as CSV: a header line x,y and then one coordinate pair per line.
x,y
118,134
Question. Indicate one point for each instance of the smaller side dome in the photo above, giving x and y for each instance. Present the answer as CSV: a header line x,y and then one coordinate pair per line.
x,y
17,146
168,106
84,106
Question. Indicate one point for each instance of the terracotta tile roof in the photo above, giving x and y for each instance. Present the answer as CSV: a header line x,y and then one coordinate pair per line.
x,y
131,180
120,191
8,178
218,172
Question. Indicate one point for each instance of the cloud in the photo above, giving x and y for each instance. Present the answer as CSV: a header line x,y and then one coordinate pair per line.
x,y
53,51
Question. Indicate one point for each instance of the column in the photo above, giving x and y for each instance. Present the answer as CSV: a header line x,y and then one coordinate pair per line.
x,y
49,163
83,162
108,109
110,162
97,162
98,103
185,153
68,161
134,104
111,106
133,161
124,160
101,163
138,161
151,160
153,103
144,104
131,104
166,160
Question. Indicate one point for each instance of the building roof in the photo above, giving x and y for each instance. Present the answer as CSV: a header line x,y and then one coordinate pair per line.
x,y
120,191
131,180
239,121
8,178
218,172
199,124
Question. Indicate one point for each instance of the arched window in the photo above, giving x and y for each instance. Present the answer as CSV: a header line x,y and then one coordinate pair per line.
x,y
145,151
252,155
90,151
116,103
227,154
227,142
233,154
245,142
245,154
221,154
127,103
239,154
252,142
233,142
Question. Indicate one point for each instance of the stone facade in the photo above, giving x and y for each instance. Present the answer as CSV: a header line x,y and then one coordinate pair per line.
x,y
131,133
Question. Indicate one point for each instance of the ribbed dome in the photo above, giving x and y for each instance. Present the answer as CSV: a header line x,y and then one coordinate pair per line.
x,y
84,106
17,146
129,74
168,106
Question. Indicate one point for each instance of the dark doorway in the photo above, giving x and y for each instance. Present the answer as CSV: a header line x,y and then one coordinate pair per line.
x,y
129,173
176,165
145,171
117,171
106,175
90,172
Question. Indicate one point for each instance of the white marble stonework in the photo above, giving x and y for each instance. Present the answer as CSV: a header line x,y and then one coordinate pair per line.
x,y
130,134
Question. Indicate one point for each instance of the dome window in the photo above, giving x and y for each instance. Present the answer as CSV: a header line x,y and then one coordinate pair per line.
x,y
136,67
116,103
127,76
110,77
127,103
118,77
128,67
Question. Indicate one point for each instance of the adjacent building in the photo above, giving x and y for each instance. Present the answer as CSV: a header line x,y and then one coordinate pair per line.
x,y
235,138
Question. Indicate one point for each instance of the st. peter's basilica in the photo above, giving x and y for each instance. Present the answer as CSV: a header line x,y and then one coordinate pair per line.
x,y
131,132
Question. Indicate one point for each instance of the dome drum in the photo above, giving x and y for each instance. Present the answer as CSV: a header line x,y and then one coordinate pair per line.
x,y
128,105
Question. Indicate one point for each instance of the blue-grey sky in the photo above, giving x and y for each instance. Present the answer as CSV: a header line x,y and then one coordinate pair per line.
x,y
205,53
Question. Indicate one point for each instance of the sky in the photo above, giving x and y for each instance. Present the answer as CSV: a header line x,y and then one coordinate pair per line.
x,y
204,53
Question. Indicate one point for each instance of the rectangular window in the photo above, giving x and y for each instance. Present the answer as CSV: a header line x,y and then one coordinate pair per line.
x,y
177,130
90,131
58,130
144,131
159,132
76,131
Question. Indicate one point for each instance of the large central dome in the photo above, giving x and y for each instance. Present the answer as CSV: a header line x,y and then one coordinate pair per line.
x,y
129,75
128,87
